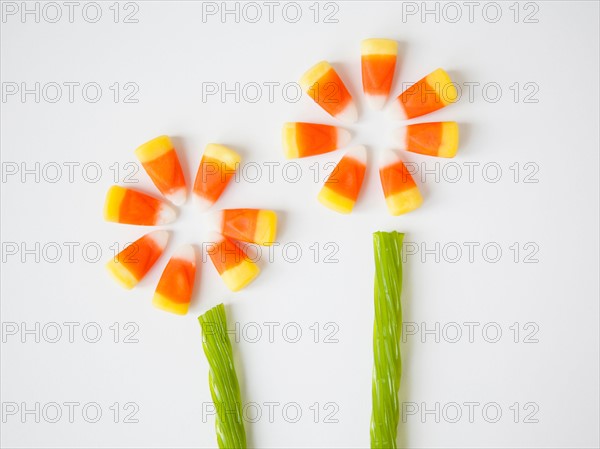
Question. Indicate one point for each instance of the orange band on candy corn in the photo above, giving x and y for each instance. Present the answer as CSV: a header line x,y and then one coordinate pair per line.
x,y
159,159
322,83
343,185
134,261
309,139
174,290
429,94
128,206
217,167
378,73
401,193
232,263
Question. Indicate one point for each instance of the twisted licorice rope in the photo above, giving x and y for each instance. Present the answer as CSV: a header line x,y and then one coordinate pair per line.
x,y
387,330
224,386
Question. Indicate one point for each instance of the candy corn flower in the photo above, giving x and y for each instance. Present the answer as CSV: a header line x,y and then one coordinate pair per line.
x,y
438,139
231,226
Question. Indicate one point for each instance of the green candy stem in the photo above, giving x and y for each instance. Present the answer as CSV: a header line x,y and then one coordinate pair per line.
x,y
224,386
387,330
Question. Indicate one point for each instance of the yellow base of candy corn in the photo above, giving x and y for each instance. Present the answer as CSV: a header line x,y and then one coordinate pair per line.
x,y
449,144
403,202
335,201
153,149
112,204
121,274
238,277
314,74
442,84
379,47
290,146
224,154
162,302
266,227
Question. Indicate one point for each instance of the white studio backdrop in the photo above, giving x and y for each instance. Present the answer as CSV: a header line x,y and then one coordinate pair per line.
x,y
501,272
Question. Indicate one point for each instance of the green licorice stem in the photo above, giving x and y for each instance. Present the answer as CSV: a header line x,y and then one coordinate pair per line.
x,y
224,386
387,330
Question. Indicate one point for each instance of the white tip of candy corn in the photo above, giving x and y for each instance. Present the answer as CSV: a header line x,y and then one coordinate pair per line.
x,y
358,153
400,137
214,221
178,197
395,110
376,101
389,157
160,238
185,252
166,215
343,137
201,203
349,114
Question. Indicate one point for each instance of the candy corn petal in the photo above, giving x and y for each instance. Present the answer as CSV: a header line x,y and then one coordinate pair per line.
x,y
159,159
232,263
401,193
217,166
246,225
174,290
129,206
429,94
322,83
135,260
378,62
432,139
343,185
302,139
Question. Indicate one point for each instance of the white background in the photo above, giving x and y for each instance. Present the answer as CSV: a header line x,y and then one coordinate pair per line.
x,y
169,53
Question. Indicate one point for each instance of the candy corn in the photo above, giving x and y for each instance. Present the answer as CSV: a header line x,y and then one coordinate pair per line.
x,y
246,225
401,193
216,169
309,139
427,95
322,83
131,265
343,185
159,159
432,139
130,206
174,290
378,61
232,263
